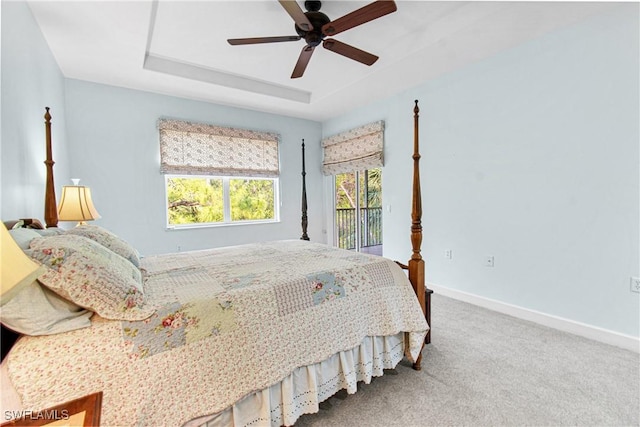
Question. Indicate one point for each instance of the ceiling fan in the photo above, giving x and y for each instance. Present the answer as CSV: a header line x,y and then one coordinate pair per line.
x,y
313,26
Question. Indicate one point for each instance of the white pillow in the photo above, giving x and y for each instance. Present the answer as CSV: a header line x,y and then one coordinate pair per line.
x,y
36,310
23,236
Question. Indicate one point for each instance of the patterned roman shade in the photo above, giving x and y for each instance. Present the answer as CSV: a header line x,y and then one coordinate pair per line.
x,y
201,149
354,150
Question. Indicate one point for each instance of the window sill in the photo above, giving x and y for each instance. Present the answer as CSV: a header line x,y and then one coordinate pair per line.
x,y
217,225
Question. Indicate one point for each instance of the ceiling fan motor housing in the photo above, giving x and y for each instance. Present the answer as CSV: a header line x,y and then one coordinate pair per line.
x,y
317,20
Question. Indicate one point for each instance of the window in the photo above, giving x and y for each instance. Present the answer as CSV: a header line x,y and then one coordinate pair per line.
x,y
216,175
220,200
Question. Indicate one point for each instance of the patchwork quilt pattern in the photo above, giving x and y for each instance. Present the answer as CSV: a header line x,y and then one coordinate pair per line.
x,y
231,321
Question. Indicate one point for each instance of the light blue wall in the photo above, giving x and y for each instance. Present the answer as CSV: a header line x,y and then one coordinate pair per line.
x,y
112,145
114,149
31,81
531,156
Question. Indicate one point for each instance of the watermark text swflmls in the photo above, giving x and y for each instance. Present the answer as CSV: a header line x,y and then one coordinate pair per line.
x,y
48,415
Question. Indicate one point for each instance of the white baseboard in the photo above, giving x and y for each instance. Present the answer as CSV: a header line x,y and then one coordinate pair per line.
x,y
582,329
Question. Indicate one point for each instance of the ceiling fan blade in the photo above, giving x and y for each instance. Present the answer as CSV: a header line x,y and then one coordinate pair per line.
x,y
303,60
293,9
349,51
358,17
256,40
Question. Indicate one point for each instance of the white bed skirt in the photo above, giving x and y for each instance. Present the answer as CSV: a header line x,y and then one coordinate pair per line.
x,y
301,392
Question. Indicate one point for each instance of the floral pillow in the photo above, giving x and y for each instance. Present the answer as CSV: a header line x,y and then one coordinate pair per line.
x,y
91,276
91,248
109,240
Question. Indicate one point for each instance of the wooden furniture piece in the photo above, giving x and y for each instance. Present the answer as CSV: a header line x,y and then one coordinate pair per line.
x,y
304,199
84,411
416,263
50,208
428,292
415,266
25,223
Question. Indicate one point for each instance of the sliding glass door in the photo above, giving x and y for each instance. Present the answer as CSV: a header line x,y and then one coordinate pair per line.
x,y
358,216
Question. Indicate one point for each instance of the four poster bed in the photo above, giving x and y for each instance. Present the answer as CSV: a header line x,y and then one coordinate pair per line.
x,y
254,334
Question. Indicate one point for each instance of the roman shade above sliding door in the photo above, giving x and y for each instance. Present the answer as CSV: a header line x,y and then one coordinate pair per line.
x,y
188,148
354,150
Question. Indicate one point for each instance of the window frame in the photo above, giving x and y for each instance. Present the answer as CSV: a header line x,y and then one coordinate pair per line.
x,y
227,221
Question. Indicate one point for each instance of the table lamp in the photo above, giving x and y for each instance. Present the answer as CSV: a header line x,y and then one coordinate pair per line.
x,y
76,204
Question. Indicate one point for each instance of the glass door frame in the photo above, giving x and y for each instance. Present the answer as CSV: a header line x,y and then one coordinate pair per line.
x,y
358,210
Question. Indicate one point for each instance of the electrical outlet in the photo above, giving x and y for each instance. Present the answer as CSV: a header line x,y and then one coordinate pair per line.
x,y
178,248
635,284
488,261
448,254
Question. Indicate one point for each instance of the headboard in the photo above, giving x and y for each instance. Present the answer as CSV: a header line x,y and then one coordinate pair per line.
x,y
26,223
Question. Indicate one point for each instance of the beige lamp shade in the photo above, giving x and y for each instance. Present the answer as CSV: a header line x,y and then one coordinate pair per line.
x,y
76,204
18,270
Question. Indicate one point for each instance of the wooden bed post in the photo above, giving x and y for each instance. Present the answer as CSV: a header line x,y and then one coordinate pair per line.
x,y
304,199
50,208
416,263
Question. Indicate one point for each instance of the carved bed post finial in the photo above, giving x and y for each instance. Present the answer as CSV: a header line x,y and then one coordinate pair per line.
x,y
50,208
416,263
304,199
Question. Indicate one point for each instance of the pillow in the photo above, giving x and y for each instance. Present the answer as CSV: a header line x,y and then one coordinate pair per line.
x,y
90,248
23,236
91,276
109,240
36,310
49,231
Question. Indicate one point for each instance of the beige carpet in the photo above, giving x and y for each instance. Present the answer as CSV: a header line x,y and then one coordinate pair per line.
x,y
488,369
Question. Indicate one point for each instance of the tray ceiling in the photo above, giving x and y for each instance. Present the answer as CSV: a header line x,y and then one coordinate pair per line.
x,y
179,48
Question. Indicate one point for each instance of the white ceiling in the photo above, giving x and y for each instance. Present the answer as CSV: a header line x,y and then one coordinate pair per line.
x,y
179,47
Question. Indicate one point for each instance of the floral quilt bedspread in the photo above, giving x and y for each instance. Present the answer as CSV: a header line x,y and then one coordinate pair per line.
x,y
229,322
